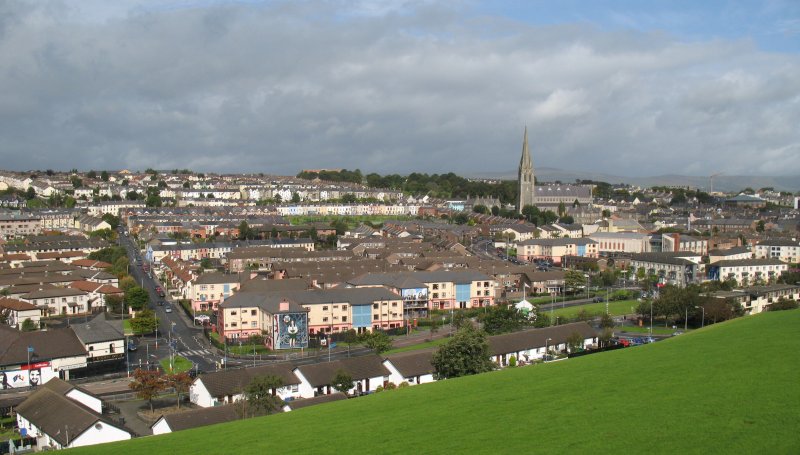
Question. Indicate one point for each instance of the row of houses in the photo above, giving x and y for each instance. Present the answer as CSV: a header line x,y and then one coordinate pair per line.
x,y
372,371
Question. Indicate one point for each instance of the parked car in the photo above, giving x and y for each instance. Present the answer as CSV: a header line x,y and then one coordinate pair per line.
x,y
160,303
598,299
132,347
168,309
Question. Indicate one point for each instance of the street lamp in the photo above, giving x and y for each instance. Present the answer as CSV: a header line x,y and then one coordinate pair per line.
x,y
587,285
651,318
703,323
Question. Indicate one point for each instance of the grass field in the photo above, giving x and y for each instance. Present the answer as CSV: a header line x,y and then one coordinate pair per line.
x,y
616,308
728,388
414,347
181,364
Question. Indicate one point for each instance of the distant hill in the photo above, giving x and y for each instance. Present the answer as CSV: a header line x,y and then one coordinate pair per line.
x,y
728,388
728,183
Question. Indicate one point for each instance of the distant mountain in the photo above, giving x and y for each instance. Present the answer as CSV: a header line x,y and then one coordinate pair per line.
x,y
727,183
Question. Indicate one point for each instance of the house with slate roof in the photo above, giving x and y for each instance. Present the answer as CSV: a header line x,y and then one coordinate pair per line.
x,y
61,416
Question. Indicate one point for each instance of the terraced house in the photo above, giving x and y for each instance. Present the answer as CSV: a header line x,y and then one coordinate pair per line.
x,y
441,290
310,312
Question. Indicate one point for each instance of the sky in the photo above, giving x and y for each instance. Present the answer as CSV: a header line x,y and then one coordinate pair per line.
x,y
627,88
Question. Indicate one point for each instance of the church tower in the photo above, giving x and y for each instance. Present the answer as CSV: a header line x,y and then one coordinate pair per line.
x,y
527,189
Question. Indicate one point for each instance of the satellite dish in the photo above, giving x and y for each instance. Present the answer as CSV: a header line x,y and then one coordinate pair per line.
x,y
98,426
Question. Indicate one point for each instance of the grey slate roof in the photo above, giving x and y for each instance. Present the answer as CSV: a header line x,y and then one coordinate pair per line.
x,y
304,403
537,338
61,418
358,368
413,363
228,382
52,344
748,262
98,329
200,417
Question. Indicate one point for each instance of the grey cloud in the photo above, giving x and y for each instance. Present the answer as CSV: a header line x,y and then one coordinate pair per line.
x,y
280,87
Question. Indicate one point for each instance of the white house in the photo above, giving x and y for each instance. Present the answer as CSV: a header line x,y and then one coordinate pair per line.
x,y
529,345
227,386
367,372
18,311
412,367
193,418
61,416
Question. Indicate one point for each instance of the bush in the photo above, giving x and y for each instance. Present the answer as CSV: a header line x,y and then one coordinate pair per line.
x,y
403,385
512,361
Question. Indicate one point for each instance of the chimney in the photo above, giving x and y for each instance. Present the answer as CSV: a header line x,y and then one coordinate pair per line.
x,y
284,306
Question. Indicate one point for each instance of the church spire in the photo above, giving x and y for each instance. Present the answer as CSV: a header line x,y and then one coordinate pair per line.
x,y
525,160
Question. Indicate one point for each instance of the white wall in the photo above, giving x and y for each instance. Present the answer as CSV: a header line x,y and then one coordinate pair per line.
x,y
161,427
94,435
199,395
87,400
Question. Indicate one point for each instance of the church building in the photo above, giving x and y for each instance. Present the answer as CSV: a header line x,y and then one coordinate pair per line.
x,y
547,196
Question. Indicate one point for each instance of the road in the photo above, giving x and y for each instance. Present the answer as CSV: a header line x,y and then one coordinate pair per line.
x,y
174,329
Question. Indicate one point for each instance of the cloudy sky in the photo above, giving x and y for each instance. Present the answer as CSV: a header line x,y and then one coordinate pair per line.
x,y
628,88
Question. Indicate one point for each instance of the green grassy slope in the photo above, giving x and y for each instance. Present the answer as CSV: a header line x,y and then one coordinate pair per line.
x,y
729,388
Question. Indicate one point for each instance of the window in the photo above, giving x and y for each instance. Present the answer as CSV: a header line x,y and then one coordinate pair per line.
x,y
233,313
336,307
436,285
344,318
374,306
374,317
325,319
344,307
252,312
394,304
253,324
325,308
295,388
233,324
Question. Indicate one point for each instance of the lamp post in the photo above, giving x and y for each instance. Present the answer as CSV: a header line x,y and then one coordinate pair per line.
x,y
651,318
587,285
703,321
686,319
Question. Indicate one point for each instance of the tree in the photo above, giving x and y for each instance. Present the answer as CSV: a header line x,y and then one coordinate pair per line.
x,y
575,341
606,321
760,226
144,322
606,213
434,327
606,336
104,176
783,304
260,394
377,341
465,354
136,298
91,174
206,263
28,325
459,320
350,337
30,193
295,197
127,283
479,208
147,384
114,303
244,231
574,279
181,383
342,381
502,319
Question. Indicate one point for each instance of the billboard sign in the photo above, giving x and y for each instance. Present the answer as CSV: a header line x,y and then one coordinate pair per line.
x,y
414,294
27,376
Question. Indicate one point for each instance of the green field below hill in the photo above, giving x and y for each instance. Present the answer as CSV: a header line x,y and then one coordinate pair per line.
x,y
727,388
615,308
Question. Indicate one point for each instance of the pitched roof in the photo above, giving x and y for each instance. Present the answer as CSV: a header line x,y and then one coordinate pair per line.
x,y
535,338
52,344
16,305
199,417
298,404
226,382
358,368
56,415
413,363
98,329
747,262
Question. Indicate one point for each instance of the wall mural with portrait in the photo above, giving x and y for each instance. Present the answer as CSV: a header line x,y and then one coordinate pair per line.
x,y
292,331
27,376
